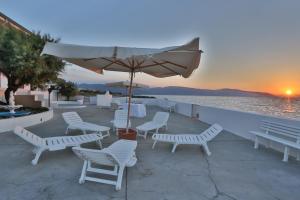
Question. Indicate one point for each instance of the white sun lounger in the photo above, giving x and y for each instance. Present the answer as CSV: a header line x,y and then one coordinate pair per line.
x,y
120,120
194,139
159,120
54,143
74,122
119,155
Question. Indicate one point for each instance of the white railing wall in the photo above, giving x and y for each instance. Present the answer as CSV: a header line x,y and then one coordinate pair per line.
x,y
236,122
93,100
185,109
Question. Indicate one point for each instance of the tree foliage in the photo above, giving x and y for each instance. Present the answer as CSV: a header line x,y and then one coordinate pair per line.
x,y
67,88
20,59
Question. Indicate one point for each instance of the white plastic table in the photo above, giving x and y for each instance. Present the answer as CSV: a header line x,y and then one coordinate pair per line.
x,y
136,110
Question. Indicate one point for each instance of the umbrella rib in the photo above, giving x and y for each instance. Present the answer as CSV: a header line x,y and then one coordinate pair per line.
x,y
131,62
139,64
88,59
151,65
171,70
119,62
106,66
177,65
124,64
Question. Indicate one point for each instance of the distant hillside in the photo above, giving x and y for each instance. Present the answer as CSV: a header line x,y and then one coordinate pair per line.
x,y
174,90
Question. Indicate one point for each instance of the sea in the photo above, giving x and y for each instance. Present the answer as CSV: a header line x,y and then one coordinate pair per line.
x,y
272,106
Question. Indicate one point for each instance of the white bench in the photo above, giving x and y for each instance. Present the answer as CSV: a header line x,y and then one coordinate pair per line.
x,y
288,136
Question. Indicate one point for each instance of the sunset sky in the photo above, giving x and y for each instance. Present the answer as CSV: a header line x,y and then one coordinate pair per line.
x,y
249,45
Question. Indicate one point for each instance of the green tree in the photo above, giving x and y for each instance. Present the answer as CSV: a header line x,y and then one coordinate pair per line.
x,y
20,59
67,89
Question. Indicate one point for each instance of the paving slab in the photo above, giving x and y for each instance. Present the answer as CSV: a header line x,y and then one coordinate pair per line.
x,y
235,170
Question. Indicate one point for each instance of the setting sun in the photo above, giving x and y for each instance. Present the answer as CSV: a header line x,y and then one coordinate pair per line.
x,y
289,92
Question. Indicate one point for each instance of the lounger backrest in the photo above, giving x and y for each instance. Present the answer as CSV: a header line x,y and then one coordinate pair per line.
x,y
29,137
122,150
280,129
211,132
95,156
71,117
120,115
161,117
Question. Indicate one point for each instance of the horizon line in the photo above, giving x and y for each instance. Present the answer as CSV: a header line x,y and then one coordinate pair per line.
x,y
215,89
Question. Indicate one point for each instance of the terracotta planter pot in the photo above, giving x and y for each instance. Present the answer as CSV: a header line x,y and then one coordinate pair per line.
x,y
130,135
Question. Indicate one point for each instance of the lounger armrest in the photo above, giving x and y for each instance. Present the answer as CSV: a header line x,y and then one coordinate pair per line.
x,y
132,161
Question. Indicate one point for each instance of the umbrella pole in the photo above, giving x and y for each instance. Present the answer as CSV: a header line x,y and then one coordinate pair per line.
x,y
129,98
127,93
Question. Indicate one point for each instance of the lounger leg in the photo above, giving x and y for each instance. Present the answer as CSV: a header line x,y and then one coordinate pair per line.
x,y
155,141
206,149
145,135
35,149
119,179
67,131
286,154
99,143
83,172
84,132
38,153
89,165
256,142
104,135
140,133
174,147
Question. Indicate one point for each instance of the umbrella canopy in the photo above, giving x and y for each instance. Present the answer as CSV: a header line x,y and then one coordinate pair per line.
x,y
126,84
164,62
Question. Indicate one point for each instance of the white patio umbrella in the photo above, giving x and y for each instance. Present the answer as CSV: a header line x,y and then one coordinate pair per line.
x,y
126,84
164,62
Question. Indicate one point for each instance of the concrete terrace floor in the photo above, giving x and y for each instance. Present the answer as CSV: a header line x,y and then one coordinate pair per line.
x,y
234,170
